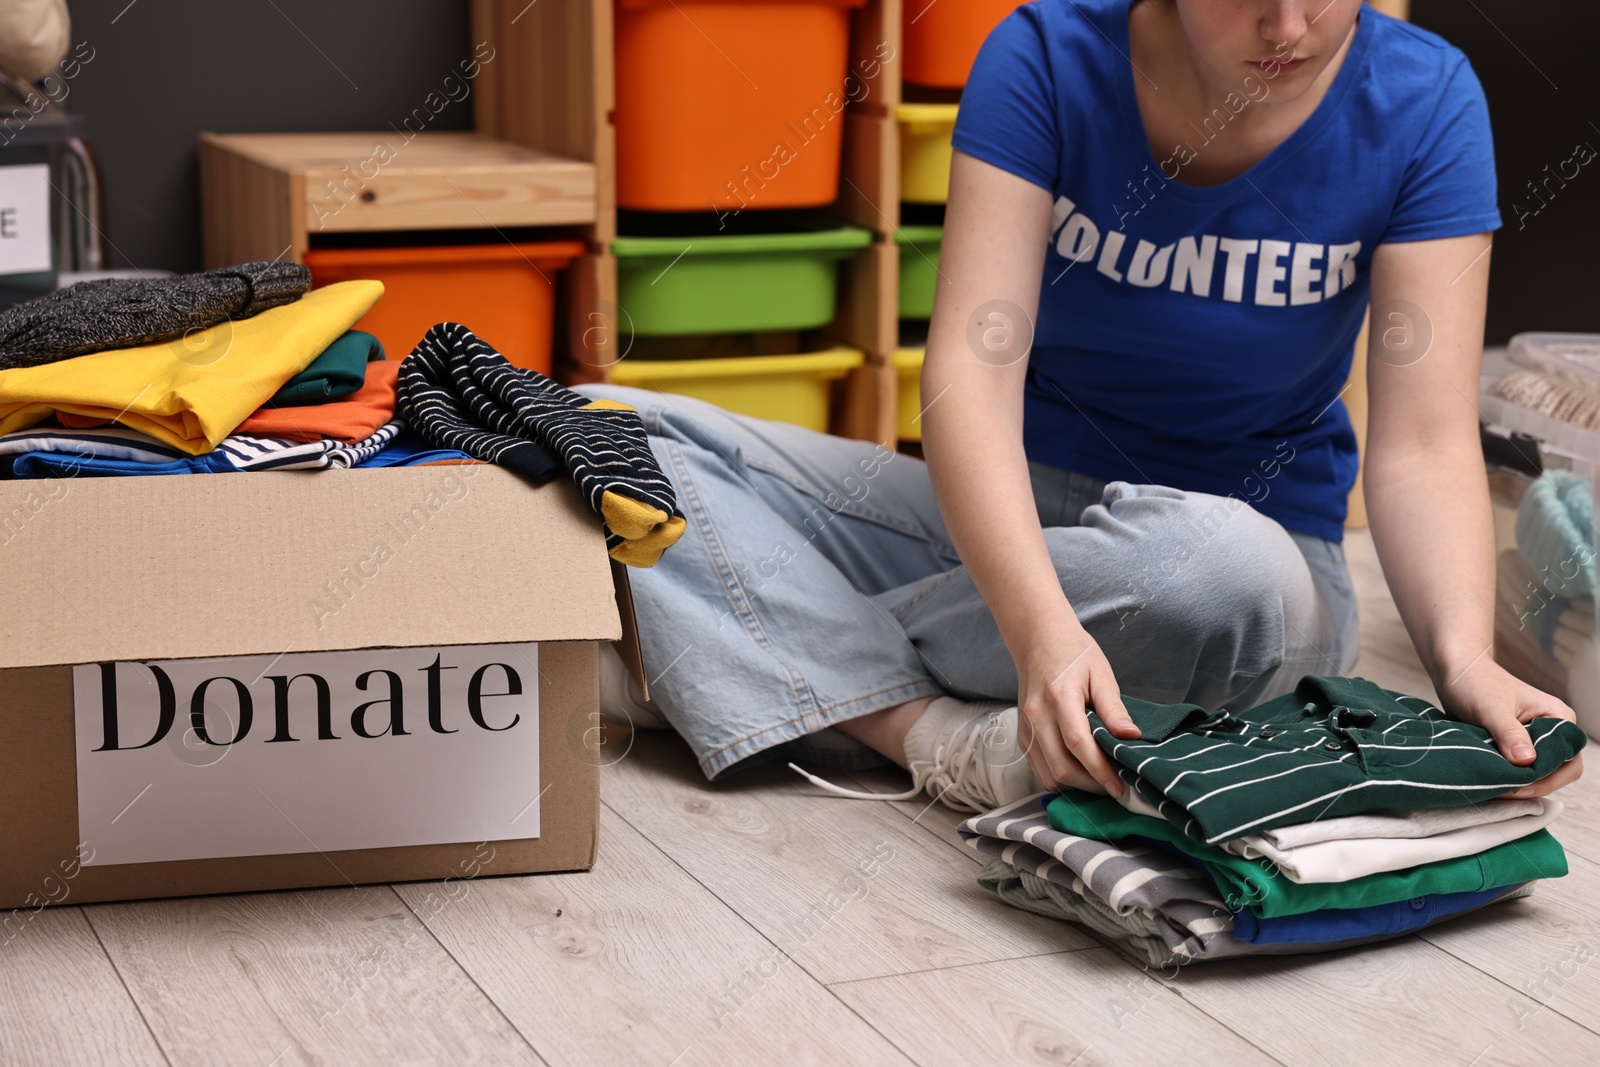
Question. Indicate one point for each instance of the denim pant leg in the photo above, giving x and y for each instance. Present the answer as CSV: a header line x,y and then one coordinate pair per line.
x,y
757,627
1192,597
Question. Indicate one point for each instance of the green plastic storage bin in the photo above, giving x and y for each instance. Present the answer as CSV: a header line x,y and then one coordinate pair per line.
x,y
919,269
671,286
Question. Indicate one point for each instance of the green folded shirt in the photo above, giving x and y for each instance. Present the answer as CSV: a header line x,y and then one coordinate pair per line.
x,y
1253,884
340,370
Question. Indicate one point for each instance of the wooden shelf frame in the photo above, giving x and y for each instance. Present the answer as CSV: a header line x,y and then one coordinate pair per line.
x,y
552,87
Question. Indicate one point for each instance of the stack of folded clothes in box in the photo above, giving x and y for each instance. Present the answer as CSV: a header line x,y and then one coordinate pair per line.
x,y
243,369
1336,815
230,370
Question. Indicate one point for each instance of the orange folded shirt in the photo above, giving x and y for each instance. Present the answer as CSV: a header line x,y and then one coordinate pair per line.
x,y
355,418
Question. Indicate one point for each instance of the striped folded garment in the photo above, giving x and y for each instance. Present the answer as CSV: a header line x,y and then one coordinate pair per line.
x,y
114,450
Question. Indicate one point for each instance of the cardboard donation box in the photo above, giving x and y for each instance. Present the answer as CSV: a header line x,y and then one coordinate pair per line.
x,y
236,682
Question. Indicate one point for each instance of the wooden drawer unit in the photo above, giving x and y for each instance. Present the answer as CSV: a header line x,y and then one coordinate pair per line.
x,y
264,196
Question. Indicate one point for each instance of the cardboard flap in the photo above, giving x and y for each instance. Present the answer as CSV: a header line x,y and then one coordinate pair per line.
x,y
98,569
628,647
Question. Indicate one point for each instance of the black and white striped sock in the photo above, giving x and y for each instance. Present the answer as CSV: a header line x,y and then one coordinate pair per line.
x,y
459,393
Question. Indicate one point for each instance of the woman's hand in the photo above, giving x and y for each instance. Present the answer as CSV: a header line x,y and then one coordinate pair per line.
x,y
1488,695
1057,678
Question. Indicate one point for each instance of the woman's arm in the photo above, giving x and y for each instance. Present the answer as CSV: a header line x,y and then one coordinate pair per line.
x,y
996,231
1427,497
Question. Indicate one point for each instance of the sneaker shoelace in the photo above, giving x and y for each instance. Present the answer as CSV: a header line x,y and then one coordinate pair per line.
x,y
958,774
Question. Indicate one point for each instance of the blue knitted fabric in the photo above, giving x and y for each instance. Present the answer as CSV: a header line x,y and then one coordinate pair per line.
x,y
1554,533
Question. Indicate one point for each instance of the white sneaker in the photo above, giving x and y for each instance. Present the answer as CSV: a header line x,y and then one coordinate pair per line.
x,y
620,701
965,754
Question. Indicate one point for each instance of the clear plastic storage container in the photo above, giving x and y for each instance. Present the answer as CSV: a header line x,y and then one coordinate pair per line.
x,y
1545,615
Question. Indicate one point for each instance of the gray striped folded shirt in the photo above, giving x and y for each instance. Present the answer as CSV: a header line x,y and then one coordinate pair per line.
x,y
244,452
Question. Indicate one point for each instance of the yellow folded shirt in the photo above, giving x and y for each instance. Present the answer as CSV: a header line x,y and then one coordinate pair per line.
x,y
193,392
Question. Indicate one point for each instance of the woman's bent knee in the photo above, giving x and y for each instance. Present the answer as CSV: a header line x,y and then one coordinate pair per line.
x,y
1196,593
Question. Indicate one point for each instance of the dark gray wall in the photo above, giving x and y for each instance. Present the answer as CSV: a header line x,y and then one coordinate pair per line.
x,y
164,70
1536,61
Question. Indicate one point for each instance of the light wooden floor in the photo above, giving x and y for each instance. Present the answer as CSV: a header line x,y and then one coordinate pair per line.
x,y
733,925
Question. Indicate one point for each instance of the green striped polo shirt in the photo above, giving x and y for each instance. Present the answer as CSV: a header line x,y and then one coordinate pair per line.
x,y
1335,746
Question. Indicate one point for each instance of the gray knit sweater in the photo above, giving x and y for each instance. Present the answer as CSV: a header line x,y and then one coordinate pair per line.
x,y
121,313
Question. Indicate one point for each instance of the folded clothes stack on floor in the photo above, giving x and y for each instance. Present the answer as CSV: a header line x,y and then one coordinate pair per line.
x,y
1338,814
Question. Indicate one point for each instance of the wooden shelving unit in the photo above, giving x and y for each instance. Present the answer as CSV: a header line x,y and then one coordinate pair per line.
x,y
552,88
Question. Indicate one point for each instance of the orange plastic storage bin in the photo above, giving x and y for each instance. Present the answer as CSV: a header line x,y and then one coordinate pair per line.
x,y
503,293
731,104
942,39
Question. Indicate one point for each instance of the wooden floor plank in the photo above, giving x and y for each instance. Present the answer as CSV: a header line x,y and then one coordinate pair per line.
x,y
1578,829
1546,947
61,1000
850,889
1401,1002
636,962
345,976
924,811
1074,1008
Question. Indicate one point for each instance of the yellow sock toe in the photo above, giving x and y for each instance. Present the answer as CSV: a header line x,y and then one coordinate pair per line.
x,y
647,550
630,518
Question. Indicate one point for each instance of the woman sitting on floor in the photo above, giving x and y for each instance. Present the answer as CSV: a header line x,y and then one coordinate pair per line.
x,y
1166,221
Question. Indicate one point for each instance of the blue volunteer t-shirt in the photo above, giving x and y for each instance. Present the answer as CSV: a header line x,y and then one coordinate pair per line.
x,y
1200,337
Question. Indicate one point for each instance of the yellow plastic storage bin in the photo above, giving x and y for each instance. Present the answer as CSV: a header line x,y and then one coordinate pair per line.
x,y
784,388
925,131
908,397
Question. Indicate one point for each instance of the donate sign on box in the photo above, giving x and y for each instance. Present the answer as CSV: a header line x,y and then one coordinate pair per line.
x,y
326,751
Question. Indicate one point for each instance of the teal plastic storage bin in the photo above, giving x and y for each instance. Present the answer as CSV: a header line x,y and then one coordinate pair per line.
x,y
919,269
722,283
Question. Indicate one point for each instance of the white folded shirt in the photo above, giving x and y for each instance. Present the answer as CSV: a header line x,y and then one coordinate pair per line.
x,y
1353,846
1422,822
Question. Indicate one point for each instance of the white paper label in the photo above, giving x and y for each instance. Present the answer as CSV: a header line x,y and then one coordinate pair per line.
x,y
312,752
25,219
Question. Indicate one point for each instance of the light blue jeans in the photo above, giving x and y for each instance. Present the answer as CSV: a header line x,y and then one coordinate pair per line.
x,y
816,582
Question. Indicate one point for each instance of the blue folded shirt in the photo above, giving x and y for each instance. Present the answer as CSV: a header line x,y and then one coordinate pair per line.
x,y
1379,920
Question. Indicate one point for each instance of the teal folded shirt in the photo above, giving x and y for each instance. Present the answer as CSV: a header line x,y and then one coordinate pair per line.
x,y
340,370
1254,884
